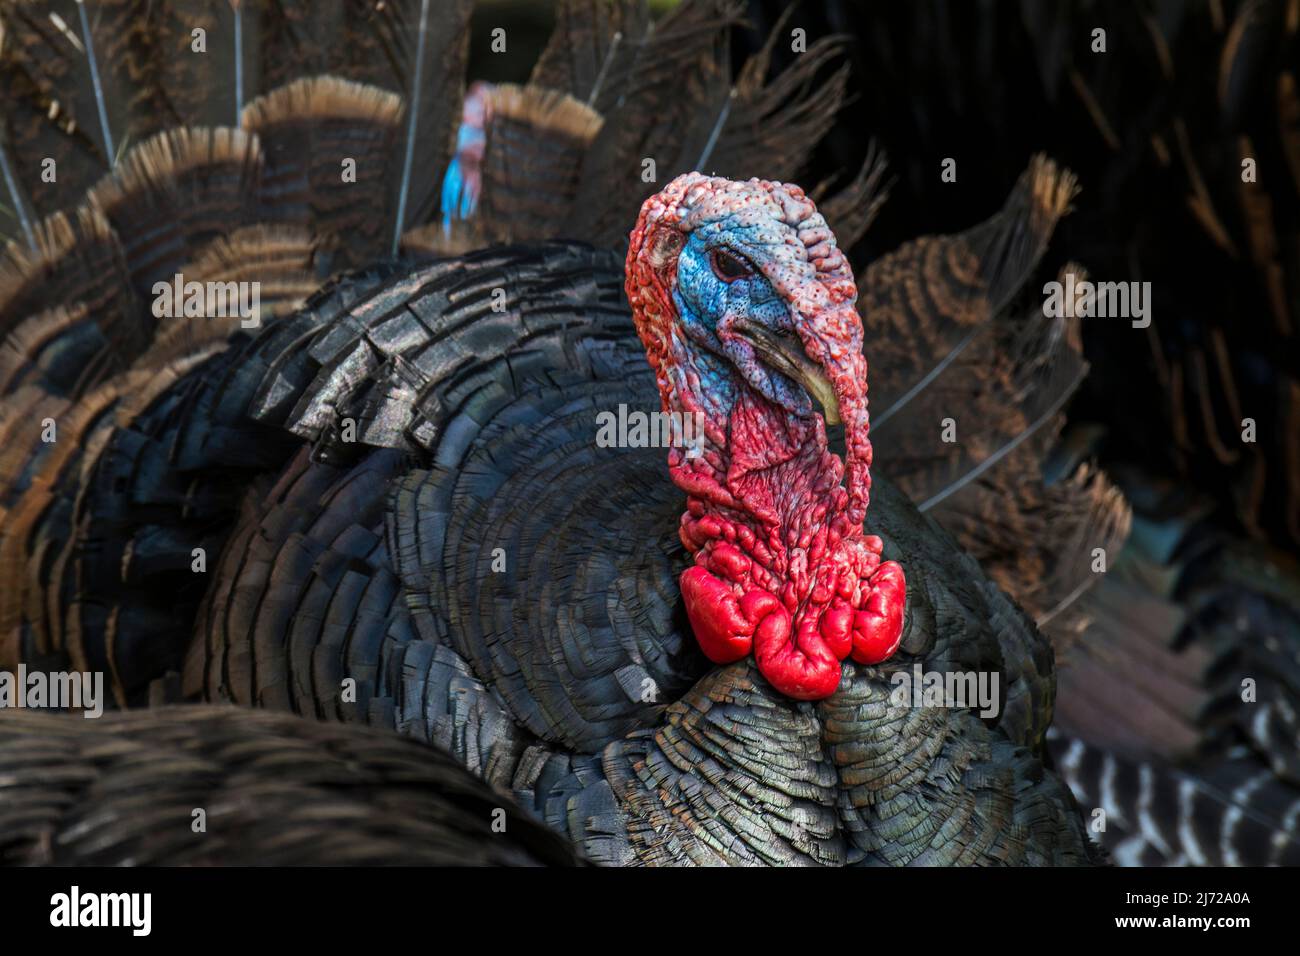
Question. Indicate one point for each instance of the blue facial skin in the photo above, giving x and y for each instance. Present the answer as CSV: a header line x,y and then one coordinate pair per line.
x,y
709,305
459,201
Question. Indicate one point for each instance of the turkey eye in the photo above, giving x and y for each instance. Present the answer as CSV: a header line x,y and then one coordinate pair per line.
x,y
728,266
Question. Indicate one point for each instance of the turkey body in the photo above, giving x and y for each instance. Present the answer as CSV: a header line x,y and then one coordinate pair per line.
x,y
386,505
443,550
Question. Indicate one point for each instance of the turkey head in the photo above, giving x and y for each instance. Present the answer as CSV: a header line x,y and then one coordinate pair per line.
x,y
746,308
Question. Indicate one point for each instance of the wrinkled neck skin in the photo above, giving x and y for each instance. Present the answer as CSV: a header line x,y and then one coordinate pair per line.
x,y
782,566
765,482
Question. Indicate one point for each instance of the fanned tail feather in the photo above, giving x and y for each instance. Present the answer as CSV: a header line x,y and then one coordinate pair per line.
x,y
968,397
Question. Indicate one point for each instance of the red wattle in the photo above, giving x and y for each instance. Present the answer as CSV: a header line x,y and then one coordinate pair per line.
x,y
802,662
722,627
804,668
727,627
878,627
837,629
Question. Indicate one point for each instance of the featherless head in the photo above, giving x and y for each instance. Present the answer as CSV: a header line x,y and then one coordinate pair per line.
x,y
749,274
746,307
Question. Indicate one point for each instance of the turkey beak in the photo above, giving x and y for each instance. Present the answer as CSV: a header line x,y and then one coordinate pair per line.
x,y
786,354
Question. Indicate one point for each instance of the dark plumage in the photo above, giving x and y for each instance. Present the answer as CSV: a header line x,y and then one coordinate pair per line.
x,y
374,565
274,790
400,513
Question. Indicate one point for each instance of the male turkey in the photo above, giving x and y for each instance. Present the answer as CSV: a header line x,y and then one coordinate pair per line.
x,y
387,506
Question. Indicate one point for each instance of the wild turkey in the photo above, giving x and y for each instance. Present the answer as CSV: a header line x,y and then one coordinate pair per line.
x,y
387,506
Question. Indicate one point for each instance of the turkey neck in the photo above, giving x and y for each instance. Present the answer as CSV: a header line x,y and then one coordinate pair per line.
x,y
781,562
770,491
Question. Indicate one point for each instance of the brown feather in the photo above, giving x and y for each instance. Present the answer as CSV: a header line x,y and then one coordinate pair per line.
x,y
308,130
851,209
176,192
47,110
536,140
669,70
942,344
77,259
